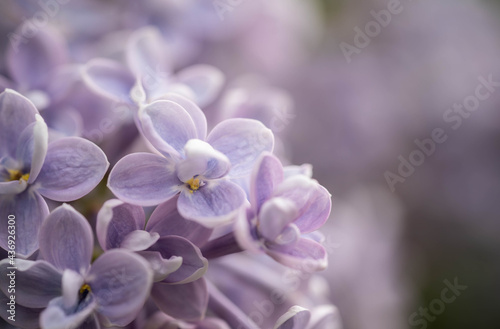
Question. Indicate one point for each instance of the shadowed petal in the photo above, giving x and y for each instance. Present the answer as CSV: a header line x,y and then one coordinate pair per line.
x,y
182,301
31,63
167,126
121,281
242,141
25,317
66,240
205,81
32,147
115,220
194,265
144,179
305,255
29,209
166,220
37,283
214,204
161,267
73,167
109,79
296,318
16,113
267,174
201,159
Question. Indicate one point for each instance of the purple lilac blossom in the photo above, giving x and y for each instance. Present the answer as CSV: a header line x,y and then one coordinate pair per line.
x,y
198,171
282,213
32,168
63,290
169,243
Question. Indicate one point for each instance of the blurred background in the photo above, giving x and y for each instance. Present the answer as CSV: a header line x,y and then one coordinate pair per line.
x,y
414,234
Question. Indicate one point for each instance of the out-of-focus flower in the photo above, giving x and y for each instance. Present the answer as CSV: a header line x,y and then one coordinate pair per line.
x,y
196,170
62,289
148,75
282,213
31,167
168,243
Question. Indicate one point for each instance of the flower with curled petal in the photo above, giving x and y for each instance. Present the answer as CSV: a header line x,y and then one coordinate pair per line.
x,y
283,211
30,167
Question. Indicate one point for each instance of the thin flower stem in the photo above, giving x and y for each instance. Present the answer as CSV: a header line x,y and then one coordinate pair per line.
x,y
226,310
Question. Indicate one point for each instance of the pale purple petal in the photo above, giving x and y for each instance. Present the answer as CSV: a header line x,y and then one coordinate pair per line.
x,y
55,316
194,265
71,283
295,318
31,63
182,301
161,267
199,119
145,51
37,283
267,174
109,79
242,141
214,204
305,169
66,239
166,220
120,281
29,209
205,81
325,317
115,220
139,240
305,255
73,167
311,199
144,179
32,147
16,113
167,126
202,160
26,317
275,215
13,187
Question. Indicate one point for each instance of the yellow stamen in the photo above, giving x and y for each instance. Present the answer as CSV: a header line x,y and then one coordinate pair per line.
x,y
17,175
84,291
194,184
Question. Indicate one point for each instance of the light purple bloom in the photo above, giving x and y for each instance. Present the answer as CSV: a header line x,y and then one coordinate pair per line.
x,y
72,291
33,67
169,243
282,213
197,168
148,75
31,167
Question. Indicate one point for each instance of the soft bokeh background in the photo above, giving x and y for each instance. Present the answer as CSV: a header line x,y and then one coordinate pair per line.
x,y
390,252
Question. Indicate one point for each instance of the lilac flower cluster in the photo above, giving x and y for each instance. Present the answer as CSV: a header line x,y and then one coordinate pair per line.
x,y
189,200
